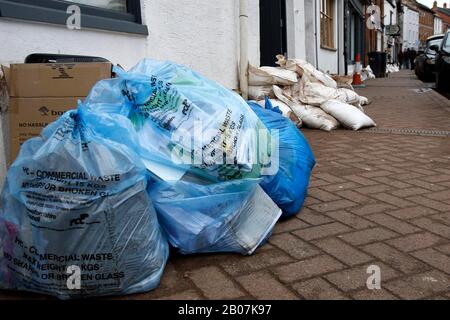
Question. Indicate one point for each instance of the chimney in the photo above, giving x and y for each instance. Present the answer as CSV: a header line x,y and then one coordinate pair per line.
x,y
435,5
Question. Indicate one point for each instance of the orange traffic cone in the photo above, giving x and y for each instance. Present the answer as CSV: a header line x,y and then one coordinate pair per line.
x,y
357,73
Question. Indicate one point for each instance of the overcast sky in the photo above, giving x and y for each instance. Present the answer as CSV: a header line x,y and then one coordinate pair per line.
x,y
429,3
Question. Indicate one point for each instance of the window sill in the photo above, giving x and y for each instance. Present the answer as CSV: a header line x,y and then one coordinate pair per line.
x,y
25,12
328,48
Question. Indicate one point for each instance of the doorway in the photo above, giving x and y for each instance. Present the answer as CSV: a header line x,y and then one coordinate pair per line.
x,y
273,35
355,34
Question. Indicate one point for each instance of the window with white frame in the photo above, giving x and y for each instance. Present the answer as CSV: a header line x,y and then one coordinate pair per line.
x,y
327,23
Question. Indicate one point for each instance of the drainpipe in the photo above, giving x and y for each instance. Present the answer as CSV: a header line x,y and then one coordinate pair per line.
x,y
346,40
338,10
316,30
243,61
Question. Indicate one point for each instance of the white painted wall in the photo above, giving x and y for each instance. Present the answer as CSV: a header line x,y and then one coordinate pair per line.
x,y
410,29
303,35
388,8
296,29
437,25
331,61
389,40
202,34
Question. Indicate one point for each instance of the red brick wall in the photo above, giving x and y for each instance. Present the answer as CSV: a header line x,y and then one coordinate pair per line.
x,y
445,19
426,25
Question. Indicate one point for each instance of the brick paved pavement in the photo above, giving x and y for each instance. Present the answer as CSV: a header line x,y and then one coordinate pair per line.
x,y
375,198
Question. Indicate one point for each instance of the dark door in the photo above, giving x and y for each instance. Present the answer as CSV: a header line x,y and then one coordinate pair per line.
x,y
272,30
354,33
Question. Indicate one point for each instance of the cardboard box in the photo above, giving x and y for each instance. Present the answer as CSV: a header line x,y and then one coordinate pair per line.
x,y
4,81
56,79
28,116
41,93
6,74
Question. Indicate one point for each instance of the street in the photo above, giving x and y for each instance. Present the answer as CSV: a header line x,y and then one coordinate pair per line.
x,y
378,197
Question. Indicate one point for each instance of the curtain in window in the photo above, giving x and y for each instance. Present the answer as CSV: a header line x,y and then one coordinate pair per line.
x,y
118,5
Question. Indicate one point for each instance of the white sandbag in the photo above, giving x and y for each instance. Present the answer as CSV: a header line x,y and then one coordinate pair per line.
x,y
392,68
296,120
314,93
264,76
260,92
370,72
343,81
350,97
302,67
280,95
347,96
285,109
315,118
364,76
312,117
363,101
349,116
367,73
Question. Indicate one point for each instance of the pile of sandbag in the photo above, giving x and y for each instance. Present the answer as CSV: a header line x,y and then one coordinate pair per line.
x,y
308,96
159,155
367,73
392,68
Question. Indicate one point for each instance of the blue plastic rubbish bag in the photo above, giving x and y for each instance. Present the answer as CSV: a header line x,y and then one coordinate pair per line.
x,y
288,188
76,219
233,216
184,119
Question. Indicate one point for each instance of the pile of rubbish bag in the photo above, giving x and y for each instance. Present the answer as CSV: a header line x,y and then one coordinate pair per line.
x,y
289,185
309,97
158,156
367,73
75,199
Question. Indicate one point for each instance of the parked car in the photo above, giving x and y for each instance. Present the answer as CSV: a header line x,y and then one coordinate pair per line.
x,y
426,61
443,64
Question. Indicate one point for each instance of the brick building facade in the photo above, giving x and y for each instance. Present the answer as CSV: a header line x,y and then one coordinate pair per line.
x,y
426,23
444,14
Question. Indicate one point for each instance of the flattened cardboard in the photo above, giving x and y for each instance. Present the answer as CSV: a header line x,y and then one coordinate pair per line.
x,y
28,116
56,79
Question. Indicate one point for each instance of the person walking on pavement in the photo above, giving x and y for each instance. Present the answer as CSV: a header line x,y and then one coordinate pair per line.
x,y
400,59
406,58
412,58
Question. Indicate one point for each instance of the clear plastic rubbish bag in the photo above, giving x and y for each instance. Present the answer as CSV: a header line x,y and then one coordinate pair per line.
x,y
233,216
75,217
288,188
184,119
